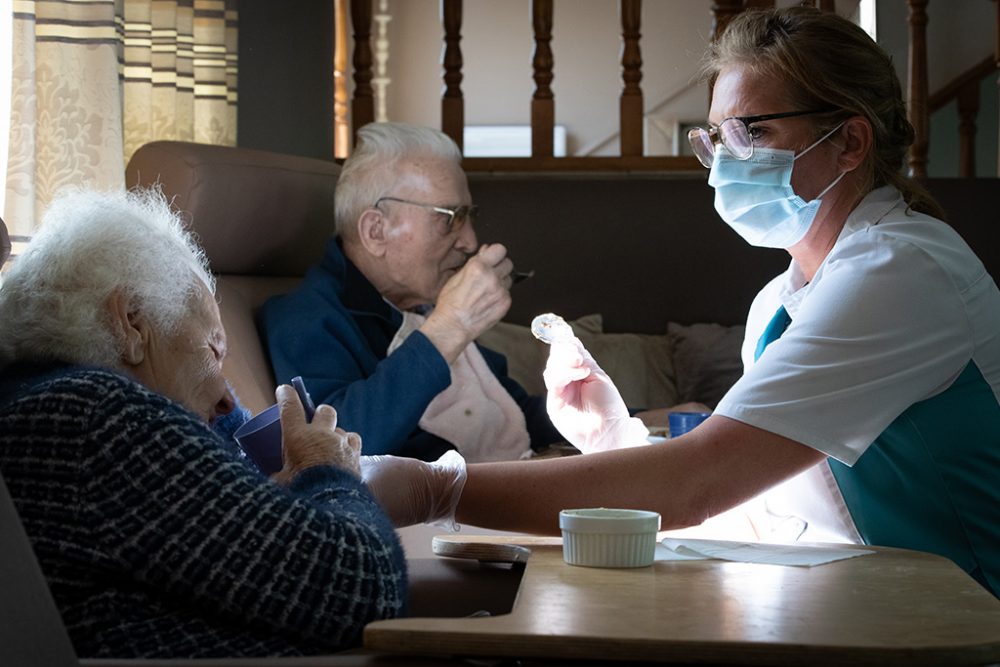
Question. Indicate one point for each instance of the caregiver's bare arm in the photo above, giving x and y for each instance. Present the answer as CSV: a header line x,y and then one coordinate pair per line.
x,y
720,465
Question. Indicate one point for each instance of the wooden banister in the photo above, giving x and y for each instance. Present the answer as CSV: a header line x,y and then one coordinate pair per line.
x,y
543,105
631,106
631,99
363,104
723,11
452,103
965,90
917,98
951,90
341,123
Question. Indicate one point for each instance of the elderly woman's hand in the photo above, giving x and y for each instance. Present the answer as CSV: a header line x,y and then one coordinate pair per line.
x,y
305,444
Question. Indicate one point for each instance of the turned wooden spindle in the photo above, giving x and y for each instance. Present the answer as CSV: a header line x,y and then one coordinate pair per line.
x,y
917,102
341,122
968,109
723,11
452,102
543,109
363,104
630,108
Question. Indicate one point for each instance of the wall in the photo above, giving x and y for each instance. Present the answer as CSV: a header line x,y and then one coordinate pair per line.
x,y
286,77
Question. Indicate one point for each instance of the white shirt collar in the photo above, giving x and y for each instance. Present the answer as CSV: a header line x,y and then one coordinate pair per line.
x,y
870,211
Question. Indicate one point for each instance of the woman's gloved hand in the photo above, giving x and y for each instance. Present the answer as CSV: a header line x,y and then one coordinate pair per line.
x,y
584,404
413,491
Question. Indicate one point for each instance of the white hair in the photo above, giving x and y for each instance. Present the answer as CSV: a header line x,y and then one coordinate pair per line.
x,y
53,301
370,171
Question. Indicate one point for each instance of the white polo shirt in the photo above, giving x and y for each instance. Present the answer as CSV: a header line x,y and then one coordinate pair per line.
x,y
899,309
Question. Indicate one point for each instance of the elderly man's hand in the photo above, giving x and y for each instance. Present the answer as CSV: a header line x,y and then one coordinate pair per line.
x,y
307,444
472,301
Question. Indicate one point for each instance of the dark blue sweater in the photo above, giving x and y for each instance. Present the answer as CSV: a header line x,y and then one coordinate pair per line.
x,y
334,331
158,540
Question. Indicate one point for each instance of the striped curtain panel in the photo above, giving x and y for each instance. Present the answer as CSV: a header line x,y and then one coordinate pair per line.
x,y
179,71
92,80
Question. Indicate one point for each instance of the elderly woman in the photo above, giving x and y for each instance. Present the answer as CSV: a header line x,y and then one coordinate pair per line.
x,y
868,411
156,537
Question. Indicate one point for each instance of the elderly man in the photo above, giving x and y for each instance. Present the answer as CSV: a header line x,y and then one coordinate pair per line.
x,y
384,327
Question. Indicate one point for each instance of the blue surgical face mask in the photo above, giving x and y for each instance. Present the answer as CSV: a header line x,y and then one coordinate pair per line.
x,y
755,196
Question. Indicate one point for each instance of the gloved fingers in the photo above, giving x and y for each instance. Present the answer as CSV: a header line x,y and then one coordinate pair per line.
x,y
566,364
452,475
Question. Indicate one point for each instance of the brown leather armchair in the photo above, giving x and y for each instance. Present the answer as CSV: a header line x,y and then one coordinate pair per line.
x,y
4,243
262,219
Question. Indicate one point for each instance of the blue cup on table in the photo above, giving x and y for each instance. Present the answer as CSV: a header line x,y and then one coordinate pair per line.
x,y
260,438
682,422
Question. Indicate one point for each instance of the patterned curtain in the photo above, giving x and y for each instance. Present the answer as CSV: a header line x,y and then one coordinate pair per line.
x,y
92,80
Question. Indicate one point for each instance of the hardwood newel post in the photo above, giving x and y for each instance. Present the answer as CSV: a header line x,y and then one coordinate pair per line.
x,y
363,104
917,101
341,122
543,106
452,102
968,109
723,11
630,107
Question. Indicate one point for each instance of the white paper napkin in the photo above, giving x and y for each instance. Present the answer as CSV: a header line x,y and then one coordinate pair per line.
x,y
752,552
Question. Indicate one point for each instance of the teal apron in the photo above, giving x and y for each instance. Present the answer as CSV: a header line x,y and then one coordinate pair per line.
x,y
931,480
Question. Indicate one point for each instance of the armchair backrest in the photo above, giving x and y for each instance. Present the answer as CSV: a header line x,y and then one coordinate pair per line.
x,y
4,243
262,218
31,630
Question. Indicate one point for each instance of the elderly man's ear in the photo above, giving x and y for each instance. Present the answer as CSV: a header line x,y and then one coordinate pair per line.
x,y
128,326
373,232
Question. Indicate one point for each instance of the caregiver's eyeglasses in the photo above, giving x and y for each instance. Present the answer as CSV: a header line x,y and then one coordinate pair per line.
x,y
454,218
734,134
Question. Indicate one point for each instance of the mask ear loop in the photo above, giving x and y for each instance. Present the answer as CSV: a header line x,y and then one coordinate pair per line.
x,y
820,140
817,143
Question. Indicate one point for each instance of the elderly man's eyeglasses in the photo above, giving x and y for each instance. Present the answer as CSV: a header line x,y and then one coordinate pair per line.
x,y
735,135
454,218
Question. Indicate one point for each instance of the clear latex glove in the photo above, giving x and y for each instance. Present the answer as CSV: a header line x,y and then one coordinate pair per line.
x,y
584,404
413,491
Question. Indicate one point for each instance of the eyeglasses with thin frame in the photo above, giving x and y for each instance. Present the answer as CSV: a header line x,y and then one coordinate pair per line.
x,y
456,217
734,135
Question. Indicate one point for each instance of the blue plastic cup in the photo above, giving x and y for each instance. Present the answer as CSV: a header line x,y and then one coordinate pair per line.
x,y
260,438
682,422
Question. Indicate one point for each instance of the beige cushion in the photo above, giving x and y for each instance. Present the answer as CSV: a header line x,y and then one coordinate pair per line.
x,y
706,359
639,364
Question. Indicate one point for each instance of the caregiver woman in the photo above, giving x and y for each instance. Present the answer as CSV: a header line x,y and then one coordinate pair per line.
x,y
868,410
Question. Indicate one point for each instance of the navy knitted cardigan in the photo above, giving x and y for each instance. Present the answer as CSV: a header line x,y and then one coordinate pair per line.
x,y
158,540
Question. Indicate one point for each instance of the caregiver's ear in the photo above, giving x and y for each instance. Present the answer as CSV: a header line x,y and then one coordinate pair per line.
x,y
856,142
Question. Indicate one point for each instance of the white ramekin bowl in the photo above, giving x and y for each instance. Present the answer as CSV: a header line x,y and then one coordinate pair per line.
x,y
608,537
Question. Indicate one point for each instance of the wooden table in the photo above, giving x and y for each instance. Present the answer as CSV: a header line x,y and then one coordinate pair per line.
x,y
894,607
